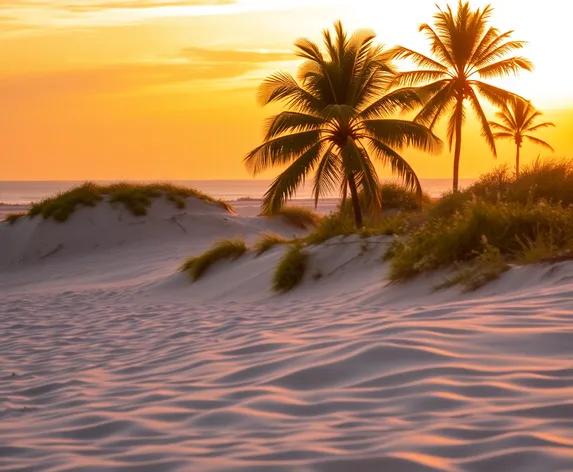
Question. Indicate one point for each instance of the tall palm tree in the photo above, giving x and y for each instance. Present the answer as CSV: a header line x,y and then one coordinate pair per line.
x,y
517,118
336,121
465,51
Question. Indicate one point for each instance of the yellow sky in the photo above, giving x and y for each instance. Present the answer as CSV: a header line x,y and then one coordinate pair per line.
x,y
165,89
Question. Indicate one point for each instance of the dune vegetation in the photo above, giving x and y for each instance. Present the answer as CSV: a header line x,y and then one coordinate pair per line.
x,y
267,241
196,267
301,217
291,269
137,198
12,218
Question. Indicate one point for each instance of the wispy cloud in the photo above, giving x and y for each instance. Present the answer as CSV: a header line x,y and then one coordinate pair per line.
x,y
191,65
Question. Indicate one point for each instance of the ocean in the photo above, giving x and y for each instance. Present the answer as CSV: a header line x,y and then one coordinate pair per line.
x,y
23,193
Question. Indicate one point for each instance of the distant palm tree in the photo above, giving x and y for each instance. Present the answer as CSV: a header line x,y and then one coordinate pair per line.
x,y
337,121
517,118
464,49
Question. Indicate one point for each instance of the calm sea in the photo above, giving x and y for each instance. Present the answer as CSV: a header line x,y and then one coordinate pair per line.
x,y
22,193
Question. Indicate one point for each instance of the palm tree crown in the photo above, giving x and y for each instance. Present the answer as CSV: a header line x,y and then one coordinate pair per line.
x,y
336,120
465,51
516,119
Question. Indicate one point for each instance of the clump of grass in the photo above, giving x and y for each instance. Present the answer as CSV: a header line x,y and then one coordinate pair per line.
x,y
487,267
12,218
137,198
394,197
267,241
291,269
542,247
442,242
61,206
298,216
449,204
223,250
329,227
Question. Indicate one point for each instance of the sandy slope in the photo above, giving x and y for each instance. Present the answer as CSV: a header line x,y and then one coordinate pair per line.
x,y
110,360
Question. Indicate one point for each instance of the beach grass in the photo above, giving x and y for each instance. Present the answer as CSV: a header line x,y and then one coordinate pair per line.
x,y
137,198
301,217
197,266
267,241
12,218
441,242
486,268
291,269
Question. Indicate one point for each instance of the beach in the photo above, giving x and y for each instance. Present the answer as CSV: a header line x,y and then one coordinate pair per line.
x,y
112,360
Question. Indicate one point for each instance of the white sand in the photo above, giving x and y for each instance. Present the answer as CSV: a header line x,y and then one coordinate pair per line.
x,y
110,360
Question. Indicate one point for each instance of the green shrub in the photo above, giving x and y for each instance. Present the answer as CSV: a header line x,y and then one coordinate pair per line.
x,y
137,198
449,204
223,250
298,216
440,242
330,227
394,197
267,241
488,266
12,218
290,271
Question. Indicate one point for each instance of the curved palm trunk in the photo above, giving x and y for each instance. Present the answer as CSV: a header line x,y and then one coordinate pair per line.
x,y
355,202
458,150
517,161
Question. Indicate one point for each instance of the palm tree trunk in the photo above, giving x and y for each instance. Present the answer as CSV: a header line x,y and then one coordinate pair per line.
x,y
458,150
355,202
517,161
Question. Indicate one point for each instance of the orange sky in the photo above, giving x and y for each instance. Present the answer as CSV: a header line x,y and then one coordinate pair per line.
x,y
165,89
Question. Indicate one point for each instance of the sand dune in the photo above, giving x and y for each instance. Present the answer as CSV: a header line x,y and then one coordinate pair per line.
x,y
111,360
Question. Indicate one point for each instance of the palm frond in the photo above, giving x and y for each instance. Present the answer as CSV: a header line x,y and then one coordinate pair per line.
x,y
505,67
307,49
539,142
285,185
293,122
401,133
327,175
439,49
499,127
540,126
438,105
397,163
416,77
495,95
504,136
485,129
404,100
283,87
281,150
400,52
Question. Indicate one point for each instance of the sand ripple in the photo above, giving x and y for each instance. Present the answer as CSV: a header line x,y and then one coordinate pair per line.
x,y
102,385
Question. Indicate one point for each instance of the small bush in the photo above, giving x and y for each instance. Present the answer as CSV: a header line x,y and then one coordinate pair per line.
x,y
441,242
489,266
330,227
449,204
137,198
300,217
223,250
12,218
394,197
290,271
267,242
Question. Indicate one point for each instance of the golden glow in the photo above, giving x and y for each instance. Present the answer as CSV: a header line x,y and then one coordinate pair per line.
x,y
158,89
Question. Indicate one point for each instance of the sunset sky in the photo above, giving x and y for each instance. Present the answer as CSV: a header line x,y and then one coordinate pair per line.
x,y
165,89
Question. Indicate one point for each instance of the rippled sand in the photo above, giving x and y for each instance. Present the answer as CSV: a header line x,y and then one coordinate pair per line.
x,y
115,364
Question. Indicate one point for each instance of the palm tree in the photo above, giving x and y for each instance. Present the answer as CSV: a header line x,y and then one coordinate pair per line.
x,y
517,118
336,121
465,51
